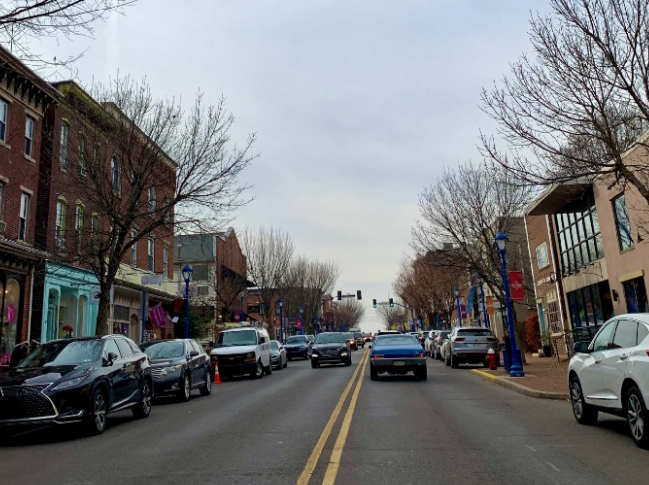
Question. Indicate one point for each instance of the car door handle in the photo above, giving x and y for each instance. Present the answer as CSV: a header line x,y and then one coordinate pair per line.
x,y
598,361
624,356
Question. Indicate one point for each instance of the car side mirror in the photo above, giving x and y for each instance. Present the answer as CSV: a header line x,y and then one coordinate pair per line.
x,y
581,347
112,357
193,353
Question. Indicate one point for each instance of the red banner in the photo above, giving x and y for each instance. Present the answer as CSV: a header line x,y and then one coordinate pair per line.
x,y
516,286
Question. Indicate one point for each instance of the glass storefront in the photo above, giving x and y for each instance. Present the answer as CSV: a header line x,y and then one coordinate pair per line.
x,y
635,293
591,305
11,299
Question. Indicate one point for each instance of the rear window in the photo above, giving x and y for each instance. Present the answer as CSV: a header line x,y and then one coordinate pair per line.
x,y
396,340
474,333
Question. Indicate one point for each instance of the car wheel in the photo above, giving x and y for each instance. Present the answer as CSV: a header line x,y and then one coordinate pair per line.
x,y
206,390
259,371
279,367
636,412
454,363
143,408
314,364
348,362
584,413
447,362
422,374
95,421
289,358
306,357
268,370
286,363
186,391
373,374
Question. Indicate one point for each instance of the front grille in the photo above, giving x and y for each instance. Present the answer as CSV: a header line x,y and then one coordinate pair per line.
x,y
24,402
157,373
331,352
233,359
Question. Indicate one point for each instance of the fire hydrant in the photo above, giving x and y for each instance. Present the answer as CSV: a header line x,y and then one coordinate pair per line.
x,y
491,359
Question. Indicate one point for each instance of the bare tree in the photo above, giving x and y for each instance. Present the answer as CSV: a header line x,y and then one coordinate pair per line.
x,y
463,211
393,317
269,253
24,20
576,107
348,312
143,168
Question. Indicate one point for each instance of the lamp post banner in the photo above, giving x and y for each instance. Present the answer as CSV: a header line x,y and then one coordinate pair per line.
x,y
516,285
490,305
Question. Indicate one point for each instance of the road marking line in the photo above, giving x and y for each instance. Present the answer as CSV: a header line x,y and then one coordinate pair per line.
x,y
484,374
311,463
531,448
553,466
336,454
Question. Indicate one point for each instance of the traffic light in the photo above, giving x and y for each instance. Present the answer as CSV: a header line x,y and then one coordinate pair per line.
x,y
391,302
339,296
358,295
374,302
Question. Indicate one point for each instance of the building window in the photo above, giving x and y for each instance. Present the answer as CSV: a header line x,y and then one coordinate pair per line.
x,y
167,210
63,152
24,213
83,155
152,201
590,305
4,116
165,262
2,199
98,155
580,241
554,317
134,248
60,223
542,256
29,136
78,225
116,175
622,223
151,254
635,293
94,227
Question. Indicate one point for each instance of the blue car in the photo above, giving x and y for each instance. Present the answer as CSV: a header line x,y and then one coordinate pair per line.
x,y
397,354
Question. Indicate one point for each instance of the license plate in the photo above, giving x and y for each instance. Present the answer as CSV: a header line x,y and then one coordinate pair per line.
x,y
398,363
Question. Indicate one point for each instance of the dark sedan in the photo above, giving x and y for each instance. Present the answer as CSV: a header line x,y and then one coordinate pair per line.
x,y
178,366
351,340
79,380
330,348
298,346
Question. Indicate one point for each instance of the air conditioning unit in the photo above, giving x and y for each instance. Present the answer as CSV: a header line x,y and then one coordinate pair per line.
x,y
3,227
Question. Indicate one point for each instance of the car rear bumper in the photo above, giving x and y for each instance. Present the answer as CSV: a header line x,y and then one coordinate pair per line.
x,y
330,359
398,364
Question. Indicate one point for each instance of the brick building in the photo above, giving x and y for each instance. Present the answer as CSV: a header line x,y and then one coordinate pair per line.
x,y
24,98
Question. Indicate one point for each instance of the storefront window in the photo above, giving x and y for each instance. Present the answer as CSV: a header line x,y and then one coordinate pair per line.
x,y
9,322
622,224
636,295
588,305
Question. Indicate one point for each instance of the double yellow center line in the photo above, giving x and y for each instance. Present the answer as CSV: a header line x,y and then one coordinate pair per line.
x,y
334,461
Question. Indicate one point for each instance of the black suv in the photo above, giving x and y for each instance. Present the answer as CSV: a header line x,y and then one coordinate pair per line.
x,y
330,348
77,380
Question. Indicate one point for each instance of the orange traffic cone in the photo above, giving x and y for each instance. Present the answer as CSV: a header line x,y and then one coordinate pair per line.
x,y
217,378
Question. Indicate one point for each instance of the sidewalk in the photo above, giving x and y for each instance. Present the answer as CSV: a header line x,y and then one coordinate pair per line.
x,y
544,378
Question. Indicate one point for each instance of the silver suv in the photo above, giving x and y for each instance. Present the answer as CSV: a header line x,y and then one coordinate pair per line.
x,y
469,345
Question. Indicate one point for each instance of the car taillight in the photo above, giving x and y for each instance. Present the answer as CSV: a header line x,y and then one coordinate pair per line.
x,y
458,339
377,356
418,355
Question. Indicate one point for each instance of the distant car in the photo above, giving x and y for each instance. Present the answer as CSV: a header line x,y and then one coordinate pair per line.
x,y
367,336
419,337
311,338
298,346
397,354
610,374
351,340
178,366
469,345
360,340
278,357
330,348
77,380
435,346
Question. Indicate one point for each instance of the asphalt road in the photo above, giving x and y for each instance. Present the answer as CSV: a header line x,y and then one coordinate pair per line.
x,y
453,429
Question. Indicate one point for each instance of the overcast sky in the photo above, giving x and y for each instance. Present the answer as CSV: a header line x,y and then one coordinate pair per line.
x,y
357,104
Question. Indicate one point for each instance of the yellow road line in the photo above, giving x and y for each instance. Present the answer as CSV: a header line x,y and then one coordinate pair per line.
x,y
336,454
311,463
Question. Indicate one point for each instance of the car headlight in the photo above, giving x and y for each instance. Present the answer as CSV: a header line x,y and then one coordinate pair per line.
x,y
315,355
343,354
71,382
172,368
250,354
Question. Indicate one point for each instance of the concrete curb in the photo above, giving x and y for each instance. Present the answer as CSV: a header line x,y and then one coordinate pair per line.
x,y
528,391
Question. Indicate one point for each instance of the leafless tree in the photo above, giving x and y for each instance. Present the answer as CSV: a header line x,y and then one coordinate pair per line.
x,y
348,312
464,211
574,108
269,253
393,317
143,167
24,20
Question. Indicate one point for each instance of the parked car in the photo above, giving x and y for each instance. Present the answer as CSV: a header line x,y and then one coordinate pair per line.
x,y
469,345
397,354
330,348
360,340
242,351
367,336
351,340
298,346
311,338
611,374
178,366
278,357
77,380
436,342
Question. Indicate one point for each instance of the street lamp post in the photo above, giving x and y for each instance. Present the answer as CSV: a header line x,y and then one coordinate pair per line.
x,y
187,276
516,369
280,302
301,320
456,292
484,307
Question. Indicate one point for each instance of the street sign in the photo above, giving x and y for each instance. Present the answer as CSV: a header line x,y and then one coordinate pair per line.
x,y
152,279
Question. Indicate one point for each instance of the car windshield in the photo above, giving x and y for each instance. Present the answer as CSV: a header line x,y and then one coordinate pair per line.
x,y
296,339
348,335
274,345
358,334
329,338
395,340
164,350
233,339
472,332
444,334
63,352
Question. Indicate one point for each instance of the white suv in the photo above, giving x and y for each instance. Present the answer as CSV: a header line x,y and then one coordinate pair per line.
x,y
611,374
240,351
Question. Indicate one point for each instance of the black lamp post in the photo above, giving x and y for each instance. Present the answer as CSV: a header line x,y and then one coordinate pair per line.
x,y
187,276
